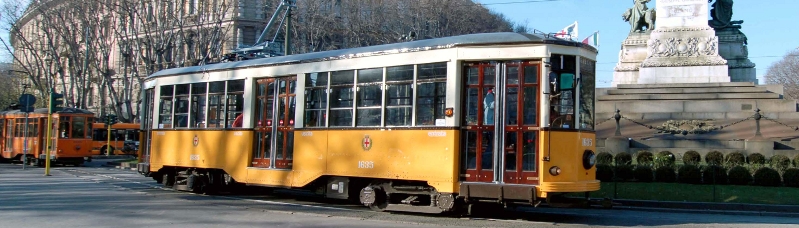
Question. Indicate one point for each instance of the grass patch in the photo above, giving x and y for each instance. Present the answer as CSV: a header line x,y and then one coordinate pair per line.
x,y
698,193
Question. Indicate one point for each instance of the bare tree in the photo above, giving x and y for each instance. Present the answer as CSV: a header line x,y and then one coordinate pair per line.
x,y
786,72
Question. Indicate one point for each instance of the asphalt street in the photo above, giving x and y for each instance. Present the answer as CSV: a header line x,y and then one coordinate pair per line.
x,y
110,197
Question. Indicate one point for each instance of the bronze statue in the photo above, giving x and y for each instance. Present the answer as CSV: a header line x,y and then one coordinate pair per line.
x,y
641,18
722,15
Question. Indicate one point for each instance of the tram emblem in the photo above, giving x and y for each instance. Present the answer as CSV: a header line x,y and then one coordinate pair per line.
x,y
196,140
366,143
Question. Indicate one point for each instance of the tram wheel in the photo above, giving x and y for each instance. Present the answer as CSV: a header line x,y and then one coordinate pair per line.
x,y
168,180
374,197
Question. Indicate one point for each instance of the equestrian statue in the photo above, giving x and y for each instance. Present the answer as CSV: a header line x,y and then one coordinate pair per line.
x,y
641,18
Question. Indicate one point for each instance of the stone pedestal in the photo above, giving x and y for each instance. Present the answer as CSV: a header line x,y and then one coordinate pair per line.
x,y
760,145
733,48
683,48
617,145
632,54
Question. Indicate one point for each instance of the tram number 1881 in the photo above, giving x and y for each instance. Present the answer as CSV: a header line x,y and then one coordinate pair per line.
x,y
366,164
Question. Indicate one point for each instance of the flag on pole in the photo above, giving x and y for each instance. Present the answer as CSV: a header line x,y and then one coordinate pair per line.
x,y
592,40
570,32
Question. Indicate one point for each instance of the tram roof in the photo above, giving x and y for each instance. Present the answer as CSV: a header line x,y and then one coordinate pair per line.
x,y
45,111
404,47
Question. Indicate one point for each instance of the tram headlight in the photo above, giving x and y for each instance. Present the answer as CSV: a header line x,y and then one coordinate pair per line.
x,y
589,159
554,170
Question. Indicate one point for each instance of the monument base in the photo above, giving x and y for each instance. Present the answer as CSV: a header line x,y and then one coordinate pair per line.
x,y
683,74
624,77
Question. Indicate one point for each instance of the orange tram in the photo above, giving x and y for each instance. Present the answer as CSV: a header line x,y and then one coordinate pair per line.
x,y
124,139
70,137
428,126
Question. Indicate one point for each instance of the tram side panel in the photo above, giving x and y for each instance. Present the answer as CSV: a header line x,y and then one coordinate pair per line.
x,y
228,150
415,155
566,150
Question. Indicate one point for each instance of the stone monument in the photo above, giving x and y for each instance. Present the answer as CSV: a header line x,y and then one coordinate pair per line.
x,y
633,49
683,46
732,42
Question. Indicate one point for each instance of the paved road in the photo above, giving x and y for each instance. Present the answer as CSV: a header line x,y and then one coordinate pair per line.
x,y
105,197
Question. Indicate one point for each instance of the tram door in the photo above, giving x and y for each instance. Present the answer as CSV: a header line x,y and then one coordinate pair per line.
x,y
480,122
274,123
520,122
501,114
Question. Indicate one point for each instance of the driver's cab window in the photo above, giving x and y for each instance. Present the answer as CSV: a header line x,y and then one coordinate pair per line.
x,y
562,90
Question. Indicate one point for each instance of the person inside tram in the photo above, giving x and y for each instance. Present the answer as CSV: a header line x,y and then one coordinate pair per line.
x,y
239,121
488,136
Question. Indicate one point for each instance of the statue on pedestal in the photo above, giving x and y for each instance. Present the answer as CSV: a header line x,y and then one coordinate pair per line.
x,y
722,15
641,18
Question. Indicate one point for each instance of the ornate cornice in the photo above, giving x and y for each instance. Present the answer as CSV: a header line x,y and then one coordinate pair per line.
x,y
692,62
684,29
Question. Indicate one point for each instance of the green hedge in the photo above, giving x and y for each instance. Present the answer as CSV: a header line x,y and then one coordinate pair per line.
x,y
691,158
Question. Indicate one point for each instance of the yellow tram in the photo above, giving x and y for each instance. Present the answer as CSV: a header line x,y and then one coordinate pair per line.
x,y
423,126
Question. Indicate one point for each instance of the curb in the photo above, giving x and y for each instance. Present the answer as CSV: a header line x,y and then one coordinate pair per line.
x,y
711,208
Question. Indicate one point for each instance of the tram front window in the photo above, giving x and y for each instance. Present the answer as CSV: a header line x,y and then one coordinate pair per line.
x,y
561,111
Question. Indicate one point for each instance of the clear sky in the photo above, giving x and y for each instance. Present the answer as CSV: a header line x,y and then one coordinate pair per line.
x,y
772,26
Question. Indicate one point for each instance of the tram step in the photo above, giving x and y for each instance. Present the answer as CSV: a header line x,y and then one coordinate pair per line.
x,y
418,209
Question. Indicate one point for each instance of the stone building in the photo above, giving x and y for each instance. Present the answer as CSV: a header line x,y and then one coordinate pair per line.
x,y
79,46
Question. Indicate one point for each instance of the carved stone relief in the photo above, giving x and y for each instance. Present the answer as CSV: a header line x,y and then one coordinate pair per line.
x,y
683,47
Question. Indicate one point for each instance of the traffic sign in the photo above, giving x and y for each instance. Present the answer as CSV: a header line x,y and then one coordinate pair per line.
x,y
27,100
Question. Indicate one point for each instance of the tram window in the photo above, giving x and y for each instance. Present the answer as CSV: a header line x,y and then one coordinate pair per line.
x,y
165,111
9,134
286,102
198,92
587,93
341,98
370,97
235,103
64,128
315,99
431,93
216,104
181,106
78,127
20,129
399,95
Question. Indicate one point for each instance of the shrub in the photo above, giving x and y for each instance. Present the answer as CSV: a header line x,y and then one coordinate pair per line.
x,y
714,158
714,174
689,174
740,176
623,158
691,158
766,176
757,158
623,172
604,158
796,161
643,157
664,158
735,159
780,162
791,177
643,173
665,174
604,172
